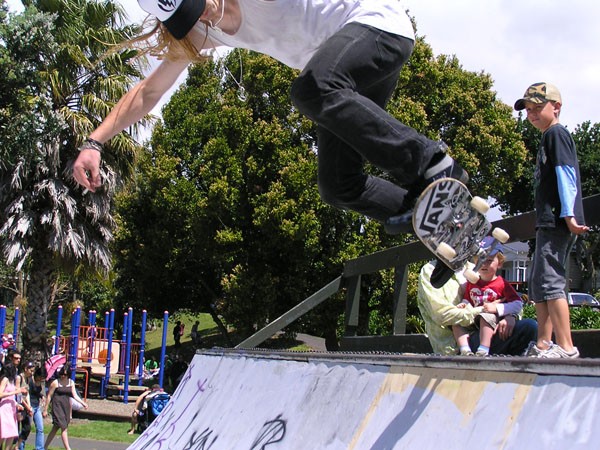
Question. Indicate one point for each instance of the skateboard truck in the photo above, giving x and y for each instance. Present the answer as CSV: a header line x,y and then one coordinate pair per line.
x,y
489,248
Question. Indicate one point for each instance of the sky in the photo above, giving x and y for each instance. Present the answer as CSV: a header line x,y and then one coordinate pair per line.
x,y
517,42
520,42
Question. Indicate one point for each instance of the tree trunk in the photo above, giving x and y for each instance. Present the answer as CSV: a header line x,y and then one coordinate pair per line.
x,y
222,328
35,334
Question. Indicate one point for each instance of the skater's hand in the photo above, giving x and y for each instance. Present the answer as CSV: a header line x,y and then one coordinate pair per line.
x,y
461,305
574,227
86,169
505,327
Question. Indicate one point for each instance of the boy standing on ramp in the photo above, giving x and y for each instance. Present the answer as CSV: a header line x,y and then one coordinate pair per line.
x,y
559,219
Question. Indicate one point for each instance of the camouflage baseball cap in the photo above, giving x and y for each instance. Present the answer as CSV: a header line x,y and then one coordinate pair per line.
x,y
539,93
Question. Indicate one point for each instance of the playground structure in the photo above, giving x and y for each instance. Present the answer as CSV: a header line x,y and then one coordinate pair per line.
x,y
86,348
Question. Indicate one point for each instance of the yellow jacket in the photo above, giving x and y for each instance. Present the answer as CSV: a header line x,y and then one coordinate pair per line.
x,y
439,311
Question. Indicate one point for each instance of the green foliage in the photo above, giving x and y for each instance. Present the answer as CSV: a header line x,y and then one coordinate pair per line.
x,y
582,317
226,212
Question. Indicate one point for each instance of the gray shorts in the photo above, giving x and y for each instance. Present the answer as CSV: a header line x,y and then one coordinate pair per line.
x,y
547,276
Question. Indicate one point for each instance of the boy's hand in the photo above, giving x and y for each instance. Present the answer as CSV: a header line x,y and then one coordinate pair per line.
x,y
490,307
574,227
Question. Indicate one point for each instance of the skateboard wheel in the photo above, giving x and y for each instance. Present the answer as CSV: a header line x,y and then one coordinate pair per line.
x,y
501,235
471,276
446,251
480,205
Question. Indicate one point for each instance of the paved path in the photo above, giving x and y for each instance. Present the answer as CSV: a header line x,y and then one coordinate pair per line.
x,y
89,444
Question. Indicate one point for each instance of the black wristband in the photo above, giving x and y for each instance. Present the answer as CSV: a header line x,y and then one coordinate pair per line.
x,y
91,144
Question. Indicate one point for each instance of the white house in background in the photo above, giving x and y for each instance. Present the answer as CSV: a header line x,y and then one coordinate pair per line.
x,y
518,261
516,264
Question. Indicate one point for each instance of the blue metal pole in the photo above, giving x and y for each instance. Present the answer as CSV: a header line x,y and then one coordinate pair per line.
x,y
128,356
2,319
110,326
163,350
123,344
90,338
71,340
75,341
16,327
58,327
142,348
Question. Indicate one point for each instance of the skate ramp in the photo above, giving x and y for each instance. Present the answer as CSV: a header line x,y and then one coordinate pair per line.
x,y
233,399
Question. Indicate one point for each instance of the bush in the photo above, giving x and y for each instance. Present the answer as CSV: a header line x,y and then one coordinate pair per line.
x,y
582,317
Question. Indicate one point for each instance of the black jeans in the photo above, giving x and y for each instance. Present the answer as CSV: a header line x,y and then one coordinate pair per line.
x,y
524,332
344,89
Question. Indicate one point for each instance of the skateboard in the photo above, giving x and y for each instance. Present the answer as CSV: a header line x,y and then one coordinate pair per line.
x,y
452,225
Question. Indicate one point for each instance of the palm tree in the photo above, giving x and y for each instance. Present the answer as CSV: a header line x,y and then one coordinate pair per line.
x,y
60,89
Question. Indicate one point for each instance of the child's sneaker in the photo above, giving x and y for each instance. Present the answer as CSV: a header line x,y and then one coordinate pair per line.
x,y
556,351
466,353
482,353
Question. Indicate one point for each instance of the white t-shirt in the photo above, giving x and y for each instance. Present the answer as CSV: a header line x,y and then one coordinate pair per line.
x,y
292,30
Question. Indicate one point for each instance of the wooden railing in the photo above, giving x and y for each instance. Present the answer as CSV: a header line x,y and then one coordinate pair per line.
x,y
520,228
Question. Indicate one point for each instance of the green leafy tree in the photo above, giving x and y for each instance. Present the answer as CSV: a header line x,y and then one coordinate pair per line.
x,y
55,90
228,206
587,141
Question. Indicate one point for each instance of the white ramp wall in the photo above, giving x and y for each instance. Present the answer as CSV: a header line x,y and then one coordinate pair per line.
x,y
243,401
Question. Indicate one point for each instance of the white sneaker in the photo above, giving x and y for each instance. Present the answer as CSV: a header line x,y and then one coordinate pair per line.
x,y
556,351
533,350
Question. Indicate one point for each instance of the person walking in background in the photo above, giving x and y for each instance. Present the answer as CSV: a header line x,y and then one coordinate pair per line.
x,y
350,54
559,219
61,390
9,429
177,332
34,378
24,410
194,333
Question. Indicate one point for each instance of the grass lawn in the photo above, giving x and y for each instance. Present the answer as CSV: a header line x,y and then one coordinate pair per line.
x,y
89,429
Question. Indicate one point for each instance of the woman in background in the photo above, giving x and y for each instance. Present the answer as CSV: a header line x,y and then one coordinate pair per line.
x,y
9,429
59,396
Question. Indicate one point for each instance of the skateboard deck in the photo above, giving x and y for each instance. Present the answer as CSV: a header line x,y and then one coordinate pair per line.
x,y
452,224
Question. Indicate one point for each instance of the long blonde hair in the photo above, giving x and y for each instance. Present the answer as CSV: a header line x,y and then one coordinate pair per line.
x,y
155,40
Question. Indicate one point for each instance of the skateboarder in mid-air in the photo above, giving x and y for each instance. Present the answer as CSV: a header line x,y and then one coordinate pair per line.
x,y
350,53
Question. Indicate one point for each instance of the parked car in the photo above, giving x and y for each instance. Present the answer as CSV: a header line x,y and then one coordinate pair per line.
x,y
580,299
